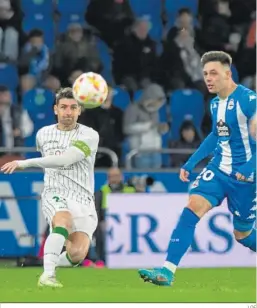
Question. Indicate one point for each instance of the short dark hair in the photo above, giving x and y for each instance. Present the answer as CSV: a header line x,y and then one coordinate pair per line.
x,y
216,56
184,10
3,89
35,33
63,93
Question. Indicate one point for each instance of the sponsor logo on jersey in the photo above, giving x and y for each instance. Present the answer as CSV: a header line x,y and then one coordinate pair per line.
x,y
223,130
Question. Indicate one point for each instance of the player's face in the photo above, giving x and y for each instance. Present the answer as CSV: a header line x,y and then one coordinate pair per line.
x,y
67,111
216,76
37,42
114,176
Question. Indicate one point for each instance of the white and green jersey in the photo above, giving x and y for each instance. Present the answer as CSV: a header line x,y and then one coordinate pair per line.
x,y
75,181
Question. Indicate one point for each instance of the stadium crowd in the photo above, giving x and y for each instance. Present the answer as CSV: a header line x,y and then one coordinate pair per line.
x,y
149,52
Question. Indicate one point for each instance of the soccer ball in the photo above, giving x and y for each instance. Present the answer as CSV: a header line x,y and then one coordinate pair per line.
x,y
90,90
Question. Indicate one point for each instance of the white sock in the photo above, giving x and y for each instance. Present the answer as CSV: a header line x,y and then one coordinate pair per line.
x,y
52,250
63,261
170,266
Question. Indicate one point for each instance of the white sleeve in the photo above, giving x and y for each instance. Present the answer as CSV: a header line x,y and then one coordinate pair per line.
x,y
71,156
87,143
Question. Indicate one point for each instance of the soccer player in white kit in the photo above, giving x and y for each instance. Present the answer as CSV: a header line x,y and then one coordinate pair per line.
x,y
68,151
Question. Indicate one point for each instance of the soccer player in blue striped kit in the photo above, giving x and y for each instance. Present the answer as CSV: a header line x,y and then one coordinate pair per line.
x,y
230,174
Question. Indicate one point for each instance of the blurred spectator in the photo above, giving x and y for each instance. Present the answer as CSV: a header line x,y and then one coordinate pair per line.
x,y
216,28
9,35
142,126
111,18
52,83
115,184
141,183
73,76
107,121
246,56
182,63
27,83
184,21
35,55
241,11
135,59
14,121
76,50
189,139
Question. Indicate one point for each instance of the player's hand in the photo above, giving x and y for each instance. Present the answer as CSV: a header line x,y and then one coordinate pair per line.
x,y
10,167
240,177
184,175
163,128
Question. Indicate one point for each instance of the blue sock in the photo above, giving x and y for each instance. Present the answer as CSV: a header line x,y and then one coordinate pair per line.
x,y
182,236
249,241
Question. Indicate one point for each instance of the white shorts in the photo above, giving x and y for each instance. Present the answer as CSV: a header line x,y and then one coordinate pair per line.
x,y
84,215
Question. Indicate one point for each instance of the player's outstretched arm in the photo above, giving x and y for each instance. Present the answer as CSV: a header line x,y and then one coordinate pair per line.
x,y
206,148
71,156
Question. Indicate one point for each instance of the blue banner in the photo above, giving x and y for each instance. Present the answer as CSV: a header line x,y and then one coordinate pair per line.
x,y
21,221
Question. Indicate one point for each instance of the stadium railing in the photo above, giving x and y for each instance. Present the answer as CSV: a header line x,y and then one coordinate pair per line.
x,y
133,153
113,156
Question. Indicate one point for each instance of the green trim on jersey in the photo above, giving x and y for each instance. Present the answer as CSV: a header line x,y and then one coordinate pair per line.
x,y
82,146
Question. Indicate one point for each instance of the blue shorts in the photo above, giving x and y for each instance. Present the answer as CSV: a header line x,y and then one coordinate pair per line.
x,y
215,186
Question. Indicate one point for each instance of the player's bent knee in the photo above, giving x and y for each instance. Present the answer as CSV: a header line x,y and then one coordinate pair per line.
x,y
240,235
62,219
199,205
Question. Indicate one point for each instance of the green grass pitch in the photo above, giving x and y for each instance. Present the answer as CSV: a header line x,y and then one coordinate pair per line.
x,y
104,285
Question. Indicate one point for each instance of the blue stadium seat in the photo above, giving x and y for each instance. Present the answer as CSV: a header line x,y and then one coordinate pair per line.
x,y
66,20
106,59
186,104
146,7
137,95
39,105
44,23
70,7
9,76
156,30
30,7
121,98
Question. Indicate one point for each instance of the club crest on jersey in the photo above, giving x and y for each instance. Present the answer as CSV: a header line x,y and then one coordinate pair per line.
x,y
231,104
223,130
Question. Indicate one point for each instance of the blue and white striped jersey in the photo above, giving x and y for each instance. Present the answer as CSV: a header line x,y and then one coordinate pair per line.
x,y
231,126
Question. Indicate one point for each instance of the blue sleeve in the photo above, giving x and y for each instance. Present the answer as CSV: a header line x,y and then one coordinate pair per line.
x,y
206,148
249,104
